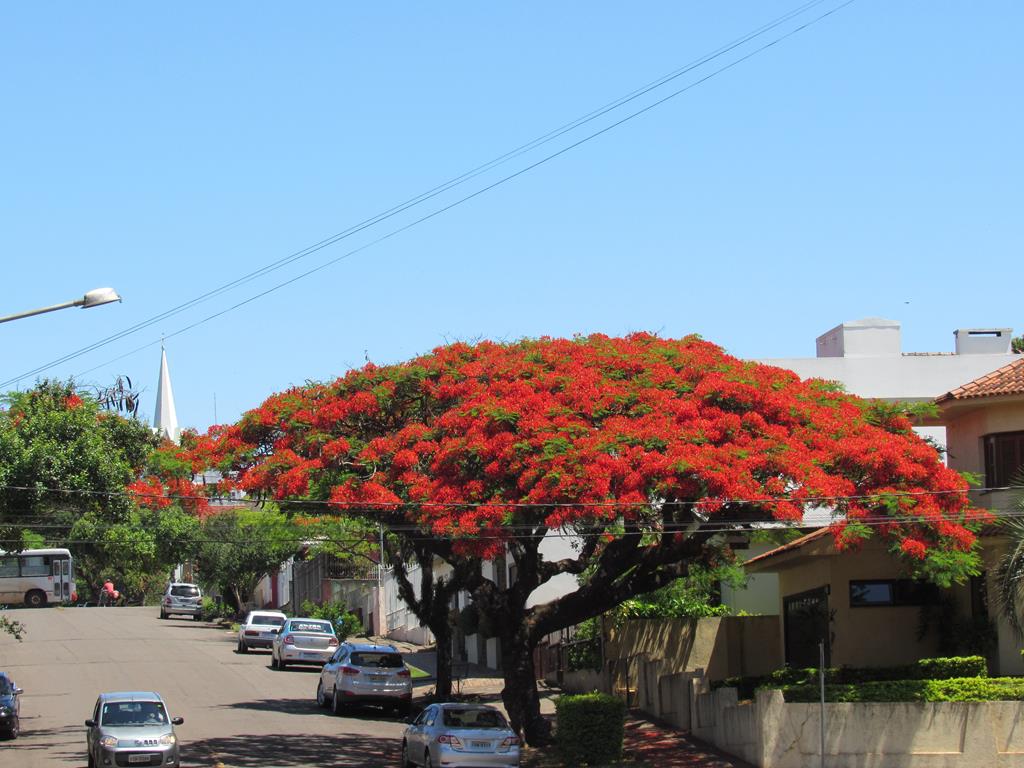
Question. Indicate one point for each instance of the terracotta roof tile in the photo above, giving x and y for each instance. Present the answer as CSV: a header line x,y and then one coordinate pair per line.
x,y
794,544
1008,380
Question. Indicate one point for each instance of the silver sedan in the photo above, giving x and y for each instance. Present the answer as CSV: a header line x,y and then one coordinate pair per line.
x,y
460,734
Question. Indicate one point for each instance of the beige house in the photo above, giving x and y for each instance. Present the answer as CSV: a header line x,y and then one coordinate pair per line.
x,y
862,604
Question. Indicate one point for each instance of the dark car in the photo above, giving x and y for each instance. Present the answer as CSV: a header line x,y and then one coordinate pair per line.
x,y
10,709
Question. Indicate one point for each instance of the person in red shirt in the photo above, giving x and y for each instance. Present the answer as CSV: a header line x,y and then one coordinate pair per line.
x,y
107,593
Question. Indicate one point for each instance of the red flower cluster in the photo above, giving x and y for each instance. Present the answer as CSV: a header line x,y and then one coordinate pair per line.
x,y
472,440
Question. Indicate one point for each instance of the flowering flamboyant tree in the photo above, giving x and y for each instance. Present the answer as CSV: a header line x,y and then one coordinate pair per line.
x,y
644,449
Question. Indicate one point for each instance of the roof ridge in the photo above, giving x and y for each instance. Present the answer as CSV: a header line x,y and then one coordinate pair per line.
x,y
1006,380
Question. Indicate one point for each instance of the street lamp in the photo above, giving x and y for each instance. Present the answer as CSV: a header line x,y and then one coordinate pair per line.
x,y
93,298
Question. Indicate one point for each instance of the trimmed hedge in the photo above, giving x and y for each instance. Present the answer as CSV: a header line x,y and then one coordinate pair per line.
x,y
925,669
958,689
590,728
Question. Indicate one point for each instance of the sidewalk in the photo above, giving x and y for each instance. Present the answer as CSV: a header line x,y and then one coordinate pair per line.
x,y
646,742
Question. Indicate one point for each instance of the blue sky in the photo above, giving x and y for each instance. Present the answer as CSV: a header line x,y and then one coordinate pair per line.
x,y
869,165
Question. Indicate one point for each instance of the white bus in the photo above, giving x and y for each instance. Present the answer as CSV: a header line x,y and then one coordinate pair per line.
x,y
36,577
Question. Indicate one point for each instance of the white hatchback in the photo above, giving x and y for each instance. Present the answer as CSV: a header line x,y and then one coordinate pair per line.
x,y
258,629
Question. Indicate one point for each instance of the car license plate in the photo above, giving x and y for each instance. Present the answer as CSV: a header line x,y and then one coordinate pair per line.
x,y
378,678
480,744
309,655
138,758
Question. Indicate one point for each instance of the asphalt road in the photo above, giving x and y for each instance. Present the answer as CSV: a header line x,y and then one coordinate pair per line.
x,y
238,711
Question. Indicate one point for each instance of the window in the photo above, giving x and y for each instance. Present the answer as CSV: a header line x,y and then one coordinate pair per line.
x,y
890,592
185,590
35,565
383,660
1004,458
8,567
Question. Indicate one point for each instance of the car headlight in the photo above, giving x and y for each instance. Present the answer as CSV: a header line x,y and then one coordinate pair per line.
x,y
109,742
5,711
168,739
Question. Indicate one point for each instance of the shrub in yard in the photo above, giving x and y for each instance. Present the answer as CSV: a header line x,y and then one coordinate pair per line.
x,y
925,669
955,666
345,623
958,689
590,728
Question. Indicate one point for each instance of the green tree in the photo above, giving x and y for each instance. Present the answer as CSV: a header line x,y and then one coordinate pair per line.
x,y
62,455
67,460
238,547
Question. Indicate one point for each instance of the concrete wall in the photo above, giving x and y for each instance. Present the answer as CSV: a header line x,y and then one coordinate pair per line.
x,y
901,377
770,733
723,647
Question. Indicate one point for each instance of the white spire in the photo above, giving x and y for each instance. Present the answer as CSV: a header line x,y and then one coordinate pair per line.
x,y
165,420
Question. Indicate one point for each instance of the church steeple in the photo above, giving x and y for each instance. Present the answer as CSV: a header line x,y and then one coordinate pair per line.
x,y
165,420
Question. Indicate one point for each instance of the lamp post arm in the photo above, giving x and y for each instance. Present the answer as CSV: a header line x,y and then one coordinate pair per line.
x,y
54,308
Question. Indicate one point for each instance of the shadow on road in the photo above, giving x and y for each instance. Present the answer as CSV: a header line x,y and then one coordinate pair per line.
x,y
309,707
294,749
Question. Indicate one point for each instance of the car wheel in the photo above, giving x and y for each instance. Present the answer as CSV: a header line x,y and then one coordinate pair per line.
x,y
336,706
15,728
196,617
92,762
163,615
242,647
403,709
35,598
282,664
406,762
273,660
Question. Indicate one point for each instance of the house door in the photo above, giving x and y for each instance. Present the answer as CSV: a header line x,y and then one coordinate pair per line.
x,y
805,624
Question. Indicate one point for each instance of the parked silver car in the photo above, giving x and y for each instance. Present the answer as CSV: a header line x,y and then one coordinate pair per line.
x,y
131,728
258,629
364,673
303,641
182,598
460,734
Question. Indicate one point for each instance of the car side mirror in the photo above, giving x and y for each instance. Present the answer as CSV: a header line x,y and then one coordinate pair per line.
x,y
276,630
177,720
18,691
90,723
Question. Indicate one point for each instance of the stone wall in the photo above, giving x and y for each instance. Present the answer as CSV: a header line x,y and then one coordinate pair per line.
x,y
770,733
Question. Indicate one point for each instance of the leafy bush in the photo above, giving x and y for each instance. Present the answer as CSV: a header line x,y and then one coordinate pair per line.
x,y
924,669
590,728
345,623
584,652
949,668
957,689
213,609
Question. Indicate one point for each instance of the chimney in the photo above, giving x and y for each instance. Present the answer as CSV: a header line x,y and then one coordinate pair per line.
x,y
983,341
870,337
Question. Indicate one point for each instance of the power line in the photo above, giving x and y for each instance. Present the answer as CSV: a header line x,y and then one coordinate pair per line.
x,y
723,501
529,146
776,525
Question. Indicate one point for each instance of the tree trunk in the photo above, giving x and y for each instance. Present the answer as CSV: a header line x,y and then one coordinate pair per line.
x,y
443,635
520,696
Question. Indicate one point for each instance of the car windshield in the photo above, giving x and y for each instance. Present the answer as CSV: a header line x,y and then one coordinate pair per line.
x,y
134,713
368,659
474,718
318,627
6,686
266,621
182,591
